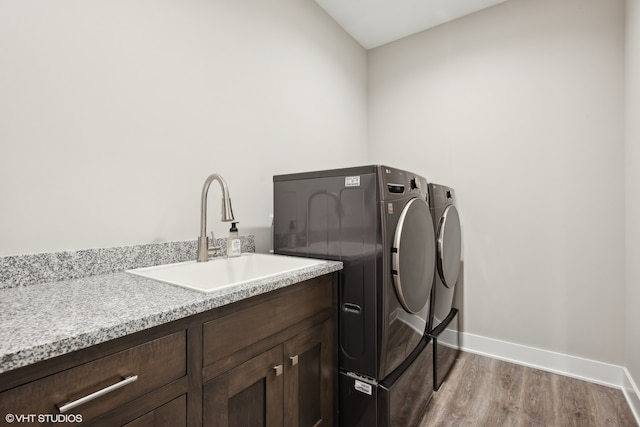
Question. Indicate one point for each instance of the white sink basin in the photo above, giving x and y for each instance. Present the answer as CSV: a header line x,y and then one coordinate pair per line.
x,y
221,273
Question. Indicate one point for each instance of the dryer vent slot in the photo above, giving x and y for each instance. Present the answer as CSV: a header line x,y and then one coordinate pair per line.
x,y
351,308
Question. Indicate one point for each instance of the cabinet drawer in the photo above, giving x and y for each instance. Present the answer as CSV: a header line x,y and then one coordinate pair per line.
x,y
172,414
155,364
226,335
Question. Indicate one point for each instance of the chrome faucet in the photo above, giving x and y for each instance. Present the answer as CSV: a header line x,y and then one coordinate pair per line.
x,y
204,250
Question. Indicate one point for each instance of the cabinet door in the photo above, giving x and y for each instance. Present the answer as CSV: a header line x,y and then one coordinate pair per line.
x,y
249,395
310,378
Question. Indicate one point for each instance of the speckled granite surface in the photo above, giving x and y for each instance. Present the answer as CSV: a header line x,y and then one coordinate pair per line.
x,y
50,319
23,270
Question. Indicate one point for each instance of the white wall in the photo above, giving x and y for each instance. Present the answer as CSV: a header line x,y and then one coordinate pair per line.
x,y
113,113
520,108
632,156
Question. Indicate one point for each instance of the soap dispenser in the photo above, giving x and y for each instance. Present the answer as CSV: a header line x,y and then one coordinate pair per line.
x,y
234,245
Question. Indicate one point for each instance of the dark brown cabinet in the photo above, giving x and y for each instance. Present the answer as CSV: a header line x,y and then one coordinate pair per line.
x,y
291,384
273,363
248,395
310,378
269,360
89,391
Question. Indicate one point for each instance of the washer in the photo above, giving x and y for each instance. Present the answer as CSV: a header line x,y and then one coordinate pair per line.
x,y
444,320
377,221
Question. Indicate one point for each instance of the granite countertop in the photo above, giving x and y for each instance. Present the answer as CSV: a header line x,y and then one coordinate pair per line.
x,y
45,320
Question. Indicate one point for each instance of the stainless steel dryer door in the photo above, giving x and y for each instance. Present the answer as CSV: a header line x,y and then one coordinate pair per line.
x,y
413,256
449,247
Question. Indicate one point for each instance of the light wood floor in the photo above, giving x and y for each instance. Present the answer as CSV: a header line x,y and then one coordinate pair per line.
x,y
481,391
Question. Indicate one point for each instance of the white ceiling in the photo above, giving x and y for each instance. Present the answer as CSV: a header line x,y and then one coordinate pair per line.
x,y
376,22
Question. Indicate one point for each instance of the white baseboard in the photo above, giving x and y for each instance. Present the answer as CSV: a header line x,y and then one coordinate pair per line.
x,y
563,364
571,366
632,393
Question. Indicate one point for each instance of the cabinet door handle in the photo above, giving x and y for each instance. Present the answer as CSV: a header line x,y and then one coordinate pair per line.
x,y
278,370
70,405
294,360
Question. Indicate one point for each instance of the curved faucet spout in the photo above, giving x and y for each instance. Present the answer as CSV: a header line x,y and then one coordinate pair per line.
x,y
226,213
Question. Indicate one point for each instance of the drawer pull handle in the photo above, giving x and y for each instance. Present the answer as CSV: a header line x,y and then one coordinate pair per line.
x,y
294,360
278,370
70,405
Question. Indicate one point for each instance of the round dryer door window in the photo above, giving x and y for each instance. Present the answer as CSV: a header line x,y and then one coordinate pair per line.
x,y
449,247
413,255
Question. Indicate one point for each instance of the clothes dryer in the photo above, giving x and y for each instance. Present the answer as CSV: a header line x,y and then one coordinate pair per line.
x,y
377,221
444,320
